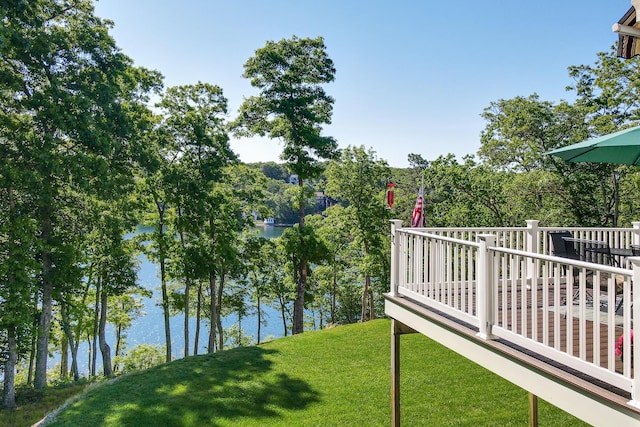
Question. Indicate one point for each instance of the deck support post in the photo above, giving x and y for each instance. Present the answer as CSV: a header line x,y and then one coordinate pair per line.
x,y
397,329
395,374
533,410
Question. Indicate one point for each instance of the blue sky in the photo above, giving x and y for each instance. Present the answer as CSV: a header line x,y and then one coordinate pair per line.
x,y
413,76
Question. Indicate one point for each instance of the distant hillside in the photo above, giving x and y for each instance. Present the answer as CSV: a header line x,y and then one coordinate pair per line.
x,y
334,377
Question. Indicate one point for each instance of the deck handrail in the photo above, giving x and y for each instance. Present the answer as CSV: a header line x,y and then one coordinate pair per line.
x,y
525,295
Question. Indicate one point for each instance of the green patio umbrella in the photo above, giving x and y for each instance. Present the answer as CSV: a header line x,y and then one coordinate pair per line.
x,y
621,147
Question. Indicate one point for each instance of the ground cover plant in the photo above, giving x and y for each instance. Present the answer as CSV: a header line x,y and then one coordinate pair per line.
x,y
334,377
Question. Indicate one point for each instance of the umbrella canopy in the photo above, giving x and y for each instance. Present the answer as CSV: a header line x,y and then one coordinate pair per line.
x,y
621,147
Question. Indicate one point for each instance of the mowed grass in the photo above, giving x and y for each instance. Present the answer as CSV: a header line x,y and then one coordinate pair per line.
x,y
335,377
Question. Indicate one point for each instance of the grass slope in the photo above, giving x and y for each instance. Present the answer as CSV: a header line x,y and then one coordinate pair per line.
x,y
335,377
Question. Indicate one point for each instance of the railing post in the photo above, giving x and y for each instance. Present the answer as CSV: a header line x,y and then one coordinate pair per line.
x,y
395,256
484,296
636,232
533,245
635,307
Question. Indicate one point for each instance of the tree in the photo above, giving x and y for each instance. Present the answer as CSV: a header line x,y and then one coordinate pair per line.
x,y
70,102
334,228
196,149
358,179
292,105
520,130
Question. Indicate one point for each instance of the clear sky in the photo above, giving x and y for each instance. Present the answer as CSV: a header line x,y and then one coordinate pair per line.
x,y
413,76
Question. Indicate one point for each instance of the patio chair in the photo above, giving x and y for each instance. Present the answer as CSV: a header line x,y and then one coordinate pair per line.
x,y
560,247
566,246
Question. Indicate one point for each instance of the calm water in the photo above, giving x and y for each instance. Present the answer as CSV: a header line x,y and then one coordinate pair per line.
x,y
149,329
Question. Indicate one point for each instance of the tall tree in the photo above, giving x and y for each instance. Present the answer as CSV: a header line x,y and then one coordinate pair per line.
x,y
358,178
197,149
292,105
68,101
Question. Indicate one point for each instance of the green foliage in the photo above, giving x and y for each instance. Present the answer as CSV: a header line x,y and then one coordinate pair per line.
x,y
292,104
141,357
520,130
358,179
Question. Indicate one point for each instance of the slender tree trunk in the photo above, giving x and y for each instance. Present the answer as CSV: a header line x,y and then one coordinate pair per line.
x,y
44,328
334,287
33,349
79,327
196,338
186,318
66,327
116,354
298,304
96,327
186,287
104,347
259,316
9,370
283,313
165,310
9,390
64,357
372,313
218,318
211,345
163,281
365,298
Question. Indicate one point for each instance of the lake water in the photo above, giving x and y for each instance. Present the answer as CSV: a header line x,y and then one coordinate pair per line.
x,y
149,329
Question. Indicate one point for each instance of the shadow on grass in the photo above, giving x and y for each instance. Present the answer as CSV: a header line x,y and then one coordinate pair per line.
x,y
201,390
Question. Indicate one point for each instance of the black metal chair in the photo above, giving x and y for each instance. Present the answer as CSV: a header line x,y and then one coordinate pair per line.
x,y
561,247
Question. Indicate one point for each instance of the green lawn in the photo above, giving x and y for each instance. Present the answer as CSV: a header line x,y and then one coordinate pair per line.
x,y
336,377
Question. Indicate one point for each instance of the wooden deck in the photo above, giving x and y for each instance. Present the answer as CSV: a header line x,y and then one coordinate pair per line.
x,y
545,323
564,387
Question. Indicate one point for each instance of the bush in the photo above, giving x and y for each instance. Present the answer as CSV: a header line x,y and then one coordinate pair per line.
x,y
141,357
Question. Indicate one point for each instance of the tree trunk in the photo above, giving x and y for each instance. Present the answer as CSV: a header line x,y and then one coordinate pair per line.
x,y
9,390
219,308
363,302
186,284
259,317
33,349
163,282
96,327
211,345
283,313
334,287
44,328
104,347
298,304
79,326
116,354
196,338
372,313
66,327
64,357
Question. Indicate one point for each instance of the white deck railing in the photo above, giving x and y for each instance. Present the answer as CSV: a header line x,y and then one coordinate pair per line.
x,y
504,283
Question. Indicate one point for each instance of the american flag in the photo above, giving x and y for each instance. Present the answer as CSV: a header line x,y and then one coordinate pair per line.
x,y
417,219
